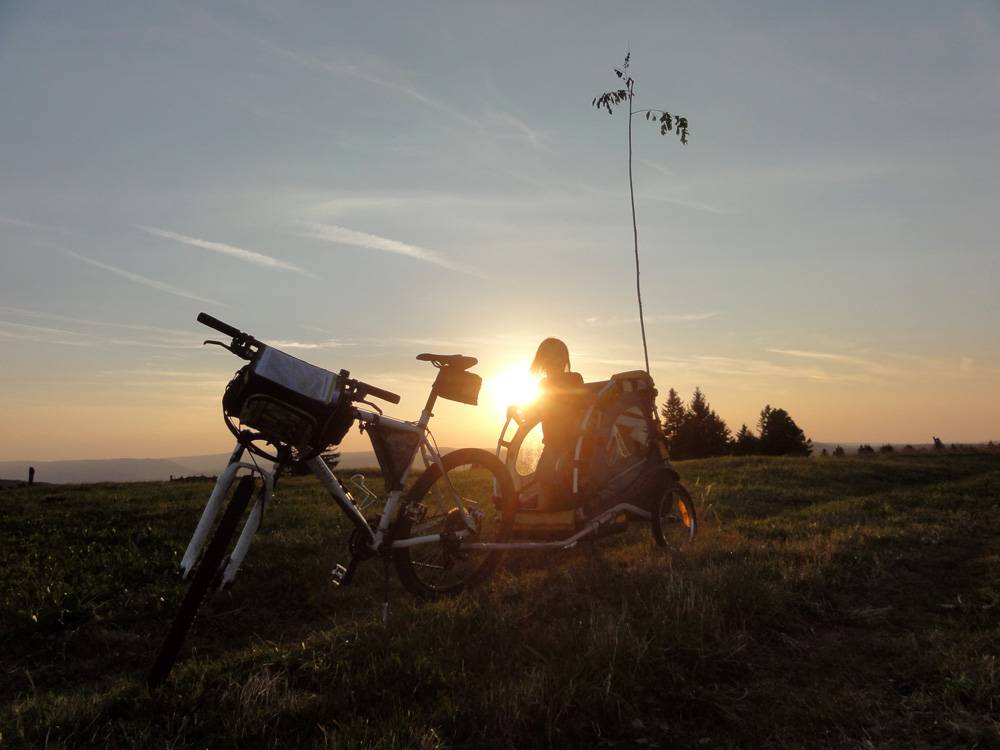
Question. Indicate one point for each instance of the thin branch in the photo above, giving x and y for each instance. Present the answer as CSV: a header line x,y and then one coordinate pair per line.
x,y
635,234
666,122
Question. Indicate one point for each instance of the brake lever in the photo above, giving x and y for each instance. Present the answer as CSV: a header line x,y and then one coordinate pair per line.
x,y
228,347
374,406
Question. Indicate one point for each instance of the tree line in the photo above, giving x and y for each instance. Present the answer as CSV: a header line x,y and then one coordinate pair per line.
x,y
695,430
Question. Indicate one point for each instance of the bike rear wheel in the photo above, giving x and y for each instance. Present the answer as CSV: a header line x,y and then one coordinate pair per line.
x,y
205,574
487,493
674,521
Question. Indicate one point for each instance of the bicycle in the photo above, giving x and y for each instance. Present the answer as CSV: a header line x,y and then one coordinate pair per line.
x,y
445,533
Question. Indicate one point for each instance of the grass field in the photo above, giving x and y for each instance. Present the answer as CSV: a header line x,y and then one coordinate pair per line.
x,y
826,604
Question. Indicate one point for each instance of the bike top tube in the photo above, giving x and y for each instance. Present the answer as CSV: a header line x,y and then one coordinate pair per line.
x,y
369,417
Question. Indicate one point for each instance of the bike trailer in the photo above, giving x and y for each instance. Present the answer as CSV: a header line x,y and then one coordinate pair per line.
x,y
286,400
619,456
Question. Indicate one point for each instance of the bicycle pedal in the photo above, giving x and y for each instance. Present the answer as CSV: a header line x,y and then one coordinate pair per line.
x,y
338,574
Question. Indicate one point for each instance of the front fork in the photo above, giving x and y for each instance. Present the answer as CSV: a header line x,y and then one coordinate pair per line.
x,y
214,507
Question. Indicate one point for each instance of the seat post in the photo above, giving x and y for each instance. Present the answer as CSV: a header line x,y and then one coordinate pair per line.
x,y
426,414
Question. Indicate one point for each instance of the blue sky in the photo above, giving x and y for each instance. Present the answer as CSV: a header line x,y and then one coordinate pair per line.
x,y
364,181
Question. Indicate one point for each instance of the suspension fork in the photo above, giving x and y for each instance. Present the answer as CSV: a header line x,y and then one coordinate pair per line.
x,y
214,506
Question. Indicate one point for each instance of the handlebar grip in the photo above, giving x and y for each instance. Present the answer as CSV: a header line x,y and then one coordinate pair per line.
x,y
389,396
218,325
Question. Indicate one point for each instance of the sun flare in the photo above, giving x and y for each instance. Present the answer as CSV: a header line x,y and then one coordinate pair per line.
x,y
514,385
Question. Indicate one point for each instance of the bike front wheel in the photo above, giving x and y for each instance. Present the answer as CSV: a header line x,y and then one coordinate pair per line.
x,y
674,520
206,574
473,479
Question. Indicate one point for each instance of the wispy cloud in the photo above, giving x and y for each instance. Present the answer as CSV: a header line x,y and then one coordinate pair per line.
x,y
328,344
397,377
632,364
157,344
740,367
519,128
440,343
151,336
344,236
152,372
793,177
674,194
355,71
509,124
247,256
145,281
42,334
18,223
87,322
674,318
709,366
683,203
817,355
30,225
869,367
657,167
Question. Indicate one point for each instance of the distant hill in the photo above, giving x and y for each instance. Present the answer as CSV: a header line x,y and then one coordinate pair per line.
x,y
851,448
139,469
160,469
6,483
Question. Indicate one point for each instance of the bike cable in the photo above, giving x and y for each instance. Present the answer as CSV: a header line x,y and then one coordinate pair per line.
x,y
263,493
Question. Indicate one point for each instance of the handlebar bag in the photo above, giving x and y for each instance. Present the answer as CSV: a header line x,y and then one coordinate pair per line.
x,y
289,401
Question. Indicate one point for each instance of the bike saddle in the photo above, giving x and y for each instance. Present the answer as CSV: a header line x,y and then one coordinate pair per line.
x,y
449,360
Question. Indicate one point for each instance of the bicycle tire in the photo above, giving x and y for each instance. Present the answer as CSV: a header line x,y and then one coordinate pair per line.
x,y
412,564
204,575
675,521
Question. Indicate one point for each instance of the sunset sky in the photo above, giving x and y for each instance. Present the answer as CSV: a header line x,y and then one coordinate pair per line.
x,y
361,182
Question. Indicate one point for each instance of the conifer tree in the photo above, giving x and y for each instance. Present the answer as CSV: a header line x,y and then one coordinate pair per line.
x,y
745,443
673,413
703,433
780,436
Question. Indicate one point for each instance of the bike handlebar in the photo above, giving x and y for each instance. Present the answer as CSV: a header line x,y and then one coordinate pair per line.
x,y
218,325
371,390
242,342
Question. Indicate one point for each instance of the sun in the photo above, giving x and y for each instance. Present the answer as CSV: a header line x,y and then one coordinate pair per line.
x,y
514,385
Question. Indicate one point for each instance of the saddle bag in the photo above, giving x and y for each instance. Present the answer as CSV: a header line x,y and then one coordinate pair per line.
x,y
459,385
289,401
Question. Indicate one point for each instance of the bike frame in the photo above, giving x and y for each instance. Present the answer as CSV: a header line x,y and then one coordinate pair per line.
x,y
374,538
